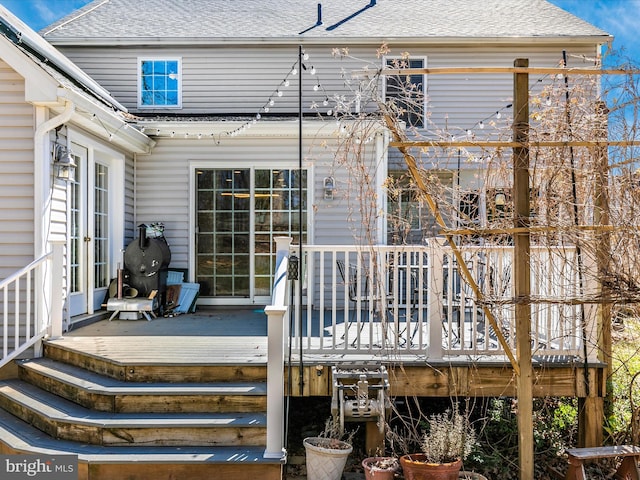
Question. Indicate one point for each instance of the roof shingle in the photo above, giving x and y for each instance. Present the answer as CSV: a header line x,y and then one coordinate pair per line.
x,y
267,20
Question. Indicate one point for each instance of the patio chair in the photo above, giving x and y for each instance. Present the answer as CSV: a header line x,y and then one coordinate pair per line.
x,y
358,292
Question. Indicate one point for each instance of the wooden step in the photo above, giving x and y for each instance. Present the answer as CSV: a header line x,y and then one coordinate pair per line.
x,y
106,394
123,358
66,420
140,462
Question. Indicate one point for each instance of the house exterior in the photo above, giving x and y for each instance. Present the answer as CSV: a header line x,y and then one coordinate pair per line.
x,y
225,121
218,81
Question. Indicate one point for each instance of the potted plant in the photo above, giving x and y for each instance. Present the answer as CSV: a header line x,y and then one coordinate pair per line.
x,y
380,468
448,441
326,454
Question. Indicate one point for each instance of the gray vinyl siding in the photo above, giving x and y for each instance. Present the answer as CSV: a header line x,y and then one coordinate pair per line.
x,y
16,173
162,188
233,80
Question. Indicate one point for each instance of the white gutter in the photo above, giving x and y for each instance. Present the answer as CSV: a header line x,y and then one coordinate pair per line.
x,y
53,56
42,175
329,40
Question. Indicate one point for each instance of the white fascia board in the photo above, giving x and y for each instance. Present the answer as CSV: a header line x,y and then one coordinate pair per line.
x,y
34,41
40,87
106,124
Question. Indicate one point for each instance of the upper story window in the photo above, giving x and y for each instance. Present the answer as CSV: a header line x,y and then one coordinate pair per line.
x,y
407,91
160,83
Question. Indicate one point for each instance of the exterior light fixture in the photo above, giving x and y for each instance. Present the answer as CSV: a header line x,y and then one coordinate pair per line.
x,y
64,167
329,187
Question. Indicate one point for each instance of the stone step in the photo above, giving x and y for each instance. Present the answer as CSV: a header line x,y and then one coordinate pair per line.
x,y
107,394
63,419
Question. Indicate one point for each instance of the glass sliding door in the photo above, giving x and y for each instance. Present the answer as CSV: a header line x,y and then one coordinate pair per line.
x,y
222,242
239,212
277,213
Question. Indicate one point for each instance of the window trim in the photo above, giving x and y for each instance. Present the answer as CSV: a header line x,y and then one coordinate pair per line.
x,y
385,64
139,82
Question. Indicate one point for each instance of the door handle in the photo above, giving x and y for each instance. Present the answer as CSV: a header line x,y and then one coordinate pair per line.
x,y
87,239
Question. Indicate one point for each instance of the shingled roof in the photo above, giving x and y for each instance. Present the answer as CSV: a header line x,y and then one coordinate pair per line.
x,y
170,21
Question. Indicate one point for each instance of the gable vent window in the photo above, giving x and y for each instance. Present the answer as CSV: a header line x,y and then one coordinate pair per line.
x,y
160,83
406,93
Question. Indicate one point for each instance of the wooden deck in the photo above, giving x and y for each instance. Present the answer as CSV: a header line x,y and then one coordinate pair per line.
x,y
237,337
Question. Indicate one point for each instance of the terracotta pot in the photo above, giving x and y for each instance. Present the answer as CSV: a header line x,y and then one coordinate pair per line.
x,y
471,476
415,467
376,472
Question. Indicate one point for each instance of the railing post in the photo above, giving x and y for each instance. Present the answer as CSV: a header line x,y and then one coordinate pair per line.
x,y
276,320
54,280
436,279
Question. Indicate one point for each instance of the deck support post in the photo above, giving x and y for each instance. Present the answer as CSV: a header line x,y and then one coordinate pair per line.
x,y
522,268
277,314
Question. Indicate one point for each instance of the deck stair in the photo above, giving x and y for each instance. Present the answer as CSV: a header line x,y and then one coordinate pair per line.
x,y
139,422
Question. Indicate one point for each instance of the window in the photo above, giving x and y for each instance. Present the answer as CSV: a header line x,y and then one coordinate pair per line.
x,y
409,219
160,83
406,93
469,209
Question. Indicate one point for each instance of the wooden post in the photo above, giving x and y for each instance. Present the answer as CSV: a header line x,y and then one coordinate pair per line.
x,y
592,409
522,269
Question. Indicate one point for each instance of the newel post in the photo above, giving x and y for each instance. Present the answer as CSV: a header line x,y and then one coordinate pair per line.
x,y
276,320
55,282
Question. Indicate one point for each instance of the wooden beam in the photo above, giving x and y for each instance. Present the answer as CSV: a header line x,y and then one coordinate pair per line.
x,y
540,229
522,268
505,70
512,144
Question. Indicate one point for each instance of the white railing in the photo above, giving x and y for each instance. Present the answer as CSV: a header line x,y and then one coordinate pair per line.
x,y
31,304
411,299
277,321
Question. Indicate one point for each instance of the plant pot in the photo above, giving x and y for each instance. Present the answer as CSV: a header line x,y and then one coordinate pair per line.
x,y
325,461
380,468
415,467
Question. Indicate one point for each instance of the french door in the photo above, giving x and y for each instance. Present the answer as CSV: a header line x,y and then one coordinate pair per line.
x,y
238,214
90,234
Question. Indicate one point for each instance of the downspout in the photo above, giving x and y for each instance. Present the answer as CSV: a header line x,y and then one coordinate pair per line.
x,y
42,188
42,177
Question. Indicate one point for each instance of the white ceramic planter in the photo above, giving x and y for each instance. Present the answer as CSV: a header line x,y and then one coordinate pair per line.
x,y
325,463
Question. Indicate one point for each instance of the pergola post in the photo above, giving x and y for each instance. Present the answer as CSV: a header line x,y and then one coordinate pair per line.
x,y
522,268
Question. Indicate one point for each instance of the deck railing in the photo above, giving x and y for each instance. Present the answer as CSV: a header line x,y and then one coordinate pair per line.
x,y
31,305
412,299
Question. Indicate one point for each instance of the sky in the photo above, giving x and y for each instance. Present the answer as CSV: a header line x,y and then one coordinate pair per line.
x,y
620,18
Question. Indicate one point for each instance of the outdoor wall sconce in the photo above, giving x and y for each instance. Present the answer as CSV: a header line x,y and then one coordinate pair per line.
x,y
329,187
64,168
501,200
